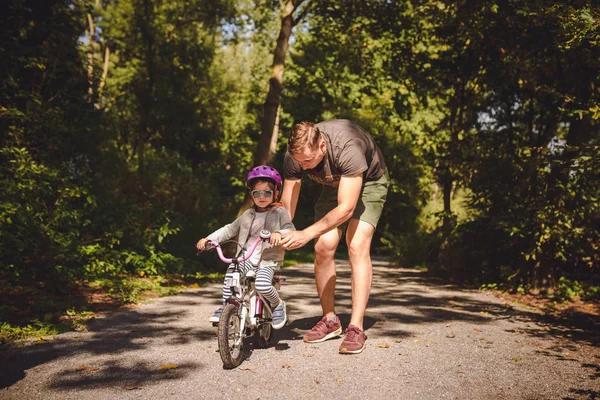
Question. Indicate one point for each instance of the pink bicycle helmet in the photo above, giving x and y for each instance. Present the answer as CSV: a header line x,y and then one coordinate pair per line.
x,y
264,171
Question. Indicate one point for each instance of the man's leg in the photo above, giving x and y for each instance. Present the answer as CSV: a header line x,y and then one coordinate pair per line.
x,y
325,275
329,326
358,237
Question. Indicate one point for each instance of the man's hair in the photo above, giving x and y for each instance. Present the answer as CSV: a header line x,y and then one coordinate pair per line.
x,y
303,135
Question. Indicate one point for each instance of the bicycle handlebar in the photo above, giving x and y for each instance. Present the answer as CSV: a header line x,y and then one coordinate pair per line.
x,y
264,235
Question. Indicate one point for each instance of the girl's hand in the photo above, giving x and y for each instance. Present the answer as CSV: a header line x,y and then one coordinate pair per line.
x,y
275,239
201,245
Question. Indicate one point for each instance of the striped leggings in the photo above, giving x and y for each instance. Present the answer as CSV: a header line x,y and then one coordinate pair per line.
x,y
263,283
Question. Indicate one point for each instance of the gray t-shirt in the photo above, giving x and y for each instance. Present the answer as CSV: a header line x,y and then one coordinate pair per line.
x,y
350,151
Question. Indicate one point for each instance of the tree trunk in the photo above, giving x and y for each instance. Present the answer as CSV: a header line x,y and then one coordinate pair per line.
x,y
270,129
267,142
444,253
448,178
90,69
95,45
104,74
145,96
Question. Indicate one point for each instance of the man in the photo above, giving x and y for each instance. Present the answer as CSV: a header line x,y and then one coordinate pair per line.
x,y
344,159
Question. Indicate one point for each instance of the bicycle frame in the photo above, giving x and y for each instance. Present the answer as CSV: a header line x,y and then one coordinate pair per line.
x,y
247,312
244,293
252,304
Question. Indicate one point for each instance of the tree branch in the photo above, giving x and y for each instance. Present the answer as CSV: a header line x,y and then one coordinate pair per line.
x,y
309,6
104,72
90,37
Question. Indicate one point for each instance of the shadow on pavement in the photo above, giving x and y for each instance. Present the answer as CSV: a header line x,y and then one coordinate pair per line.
x,y
128,331
126,378
401,295
401,290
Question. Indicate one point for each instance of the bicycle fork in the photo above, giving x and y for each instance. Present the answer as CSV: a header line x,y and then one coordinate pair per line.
x,y
242,332
250,316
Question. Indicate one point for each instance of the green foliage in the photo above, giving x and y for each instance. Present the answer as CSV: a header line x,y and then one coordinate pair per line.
x,y
568,289
533,213
109,174
133,291
41,213
69,210
37,329
491,286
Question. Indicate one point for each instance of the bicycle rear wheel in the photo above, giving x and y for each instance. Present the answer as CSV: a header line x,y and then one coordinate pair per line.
x,y
231,339
264,331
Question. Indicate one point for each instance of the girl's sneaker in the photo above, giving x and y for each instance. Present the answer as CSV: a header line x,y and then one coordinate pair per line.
x,y
279,317
217,315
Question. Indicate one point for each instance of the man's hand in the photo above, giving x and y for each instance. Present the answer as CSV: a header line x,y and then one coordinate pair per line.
x,y
275,239
201,245
295,239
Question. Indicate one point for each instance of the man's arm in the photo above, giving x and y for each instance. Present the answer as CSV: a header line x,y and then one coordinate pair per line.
x,y
290,194
348,194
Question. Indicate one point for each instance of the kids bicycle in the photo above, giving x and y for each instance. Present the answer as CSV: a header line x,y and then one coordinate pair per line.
x,y
246,313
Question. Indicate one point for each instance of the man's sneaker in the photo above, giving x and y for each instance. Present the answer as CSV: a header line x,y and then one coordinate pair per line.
x,y
323,330
354,342
217,315
279,317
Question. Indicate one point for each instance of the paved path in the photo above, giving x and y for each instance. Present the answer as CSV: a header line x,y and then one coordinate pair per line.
x,y
426,340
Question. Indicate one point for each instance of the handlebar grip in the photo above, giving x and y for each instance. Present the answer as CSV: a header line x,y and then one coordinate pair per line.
x,y
209,245
265,234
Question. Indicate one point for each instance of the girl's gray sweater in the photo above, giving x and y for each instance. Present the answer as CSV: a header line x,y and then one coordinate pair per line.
x,y
277,220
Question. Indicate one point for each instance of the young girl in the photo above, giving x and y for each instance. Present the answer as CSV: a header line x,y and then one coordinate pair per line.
x,y
264,184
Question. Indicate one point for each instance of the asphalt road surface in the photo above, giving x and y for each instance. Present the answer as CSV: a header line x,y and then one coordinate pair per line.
x,y
426,340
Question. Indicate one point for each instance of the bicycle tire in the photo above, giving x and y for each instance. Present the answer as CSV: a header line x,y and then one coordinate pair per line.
x,y
264,332
229,330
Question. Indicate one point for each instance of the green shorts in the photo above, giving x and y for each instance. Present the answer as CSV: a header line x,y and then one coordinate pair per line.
x,y
369,206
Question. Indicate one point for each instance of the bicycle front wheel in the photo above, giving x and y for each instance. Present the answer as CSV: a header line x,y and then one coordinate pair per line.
x,y
231,339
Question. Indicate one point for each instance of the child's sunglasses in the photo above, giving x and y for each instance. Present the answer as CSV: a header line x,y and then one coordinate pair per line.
x,y
262,193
